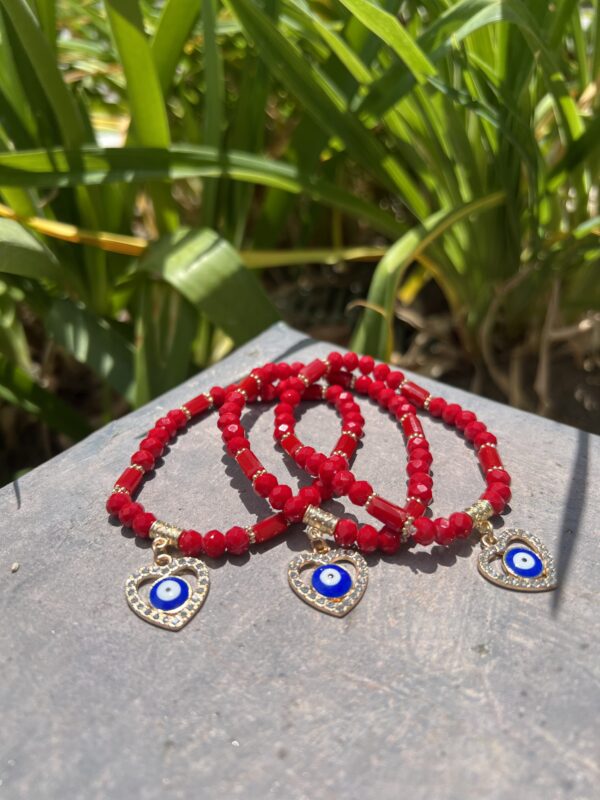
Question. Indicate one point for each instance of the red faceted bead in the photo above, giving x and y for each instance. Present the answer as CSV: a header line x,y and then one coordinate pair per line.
x,y
237,540
236,444
350,360
295,508
385,397
366,364
230,408
291,397
142,523
375,389
128,512
178,418
214,544
437,406
279,496
144,459
422,478
228,419
332,393
341,482
116,502
153,446
424,533
359,492
461,524
388,541
495,500
264,484
231,431
419,490
353,427
218,395
464,418
473,430
502,489
310,494
268,393
283,371
450,412
313,463
336,360
303,455
416,443
414,508
484,438
345,532
444,533
168,424
498,476
421,454
394,379
328,470
362,383
367,538
381,371
190,543
162,434
395,403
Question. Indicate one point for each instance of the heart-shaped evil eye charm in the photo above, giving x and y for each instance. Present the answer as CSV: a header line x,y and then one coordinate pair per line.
x,y
522,562
169,594
518,560
331,580
332,588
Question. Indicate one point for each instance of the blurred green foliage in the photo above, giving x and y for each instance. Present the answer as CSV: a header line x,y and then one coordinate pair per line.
x,y
461,135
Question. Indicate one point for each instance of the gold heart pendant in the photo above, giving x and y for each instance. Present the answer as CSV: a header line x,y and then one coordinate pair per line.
x,y
172,601
332,589
518,560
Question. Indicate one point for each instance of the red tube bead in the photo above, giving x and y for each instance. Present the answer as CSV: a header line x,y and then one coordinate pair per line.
x,y
313,371
248,462
410,425
269,527
197,405
346,444
291,444
130,479
489,458
416,394
391,515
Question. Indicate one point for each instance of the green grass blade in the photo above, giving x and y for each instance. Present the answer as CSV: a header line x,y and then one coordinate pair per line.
x,y
387,27
19,389
24,255
213,105
373,333
174,27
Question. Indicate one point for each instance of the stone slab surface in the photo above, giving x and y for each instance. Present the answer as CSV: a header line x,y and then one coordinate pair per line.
x,y
439,685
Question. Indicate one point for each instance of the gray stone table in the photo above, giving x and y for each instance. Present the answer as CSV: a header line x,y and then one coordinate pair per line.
x,y
438,685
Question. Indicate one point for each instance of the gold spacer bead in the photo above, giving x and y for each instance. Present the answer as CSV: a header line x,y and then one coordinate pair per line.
x,y
371,497
304,380
412,436
488,444
258,474
403,417
349,433
138,467
426,402
406,529
120,489
165,530
339,453
209,397
286,436
243,392
251,535
186,411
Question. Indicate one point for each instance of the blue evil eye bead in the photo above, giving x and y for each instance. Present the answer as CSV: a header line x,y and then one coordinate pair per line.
x,y
331,580
523,562
169,594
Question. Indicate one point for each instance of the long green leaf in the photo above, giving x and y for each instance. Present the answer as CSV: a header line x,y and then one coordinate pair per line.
x,y
209,273
174,27
213,104
98,166
92,341
24,255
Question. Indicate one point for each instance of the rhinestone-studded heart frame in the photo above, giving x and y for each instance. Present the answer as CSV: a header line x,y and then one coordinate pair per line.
x,y
172,621
337,607
543,583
